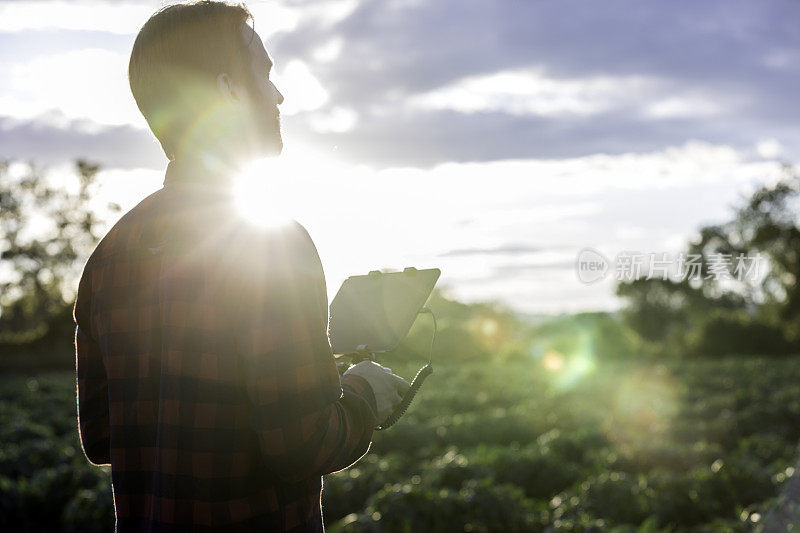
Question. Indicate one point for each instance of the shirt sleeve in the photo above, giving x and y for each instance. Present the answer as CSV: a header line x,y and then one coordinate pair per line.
x,y
309,421
92,383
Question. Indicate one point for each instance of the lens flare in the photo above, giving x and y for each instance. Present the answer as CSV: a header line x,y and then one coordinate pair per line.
x,y
569,365
263,193
488,332
644,406
490,327
639,403
553,361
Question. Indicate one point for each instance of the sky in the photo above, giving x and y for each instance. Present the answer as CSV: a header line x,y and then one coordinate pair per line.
x,y
494,139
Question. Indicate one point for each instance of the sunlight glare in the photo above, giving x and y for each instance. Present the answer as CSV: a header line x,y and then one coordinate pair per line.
x,y
297,185
644,406
488,331
490,327
263,193
553,361
572,363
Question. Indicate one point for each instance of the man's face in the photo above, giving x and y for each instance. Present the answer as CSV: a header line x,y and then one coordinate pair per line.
x,y
264,98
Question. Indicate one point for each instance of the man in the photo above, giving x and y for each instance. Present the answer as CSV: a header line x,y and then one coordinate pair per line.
x,y
205,376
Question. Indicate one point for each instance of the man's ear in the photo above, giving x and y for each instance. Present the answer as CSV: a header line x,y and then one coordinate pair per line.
x,y
227,88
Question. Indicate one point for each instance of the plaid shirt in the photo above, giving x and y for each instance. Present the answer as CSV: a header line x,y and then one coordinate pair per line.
x,y
205,375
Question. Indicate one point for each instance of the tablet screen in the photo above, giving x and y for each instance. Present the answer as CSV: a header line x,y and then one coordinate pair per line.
x,y
375,312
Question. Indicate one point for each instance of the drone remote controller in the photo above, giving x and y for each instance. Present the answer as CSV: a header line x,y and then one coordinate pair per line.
x,y
373,313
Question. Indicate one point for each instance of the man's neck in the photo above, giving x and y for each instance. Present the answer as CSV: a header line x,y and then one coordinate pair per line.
x,y
200,172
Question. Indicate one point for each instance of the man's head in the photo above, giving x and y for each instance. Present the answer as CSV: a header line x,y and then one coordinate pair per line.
x,y
200,76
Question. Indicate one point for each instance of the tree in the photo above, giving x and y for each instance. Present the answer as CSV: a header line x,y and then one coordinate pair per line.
x,y
47,230
711,314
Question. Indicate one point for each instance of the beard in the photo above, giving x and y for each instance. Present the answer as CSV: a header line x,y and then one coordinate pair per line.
x,y
266,137
273,137
249,132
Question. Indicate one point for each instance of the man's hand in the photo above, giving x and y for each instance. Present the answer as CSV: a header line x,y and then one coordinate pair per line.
x,y
387,387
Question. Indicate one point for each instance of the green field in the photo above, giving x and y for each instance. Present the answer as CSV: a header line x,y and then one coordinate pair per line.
x,y
526,445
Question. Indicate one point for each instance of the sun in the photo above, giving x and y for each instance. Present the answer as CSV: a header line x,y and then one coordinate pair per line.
x,y
276,190
263,193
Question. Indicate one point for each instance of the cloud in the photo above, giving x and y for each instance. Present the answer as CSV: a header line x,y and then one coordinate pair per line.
x,y
509,249
126,17
90,84
400,138
769,148
693,106
305,92
112,17
421,83
53,140
531,92
338,119
521,269
470,80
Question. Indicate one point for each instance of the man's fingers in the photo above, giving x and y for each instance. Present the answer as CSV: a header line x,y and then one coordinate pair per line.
x,y
397,399
404,386
401,385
